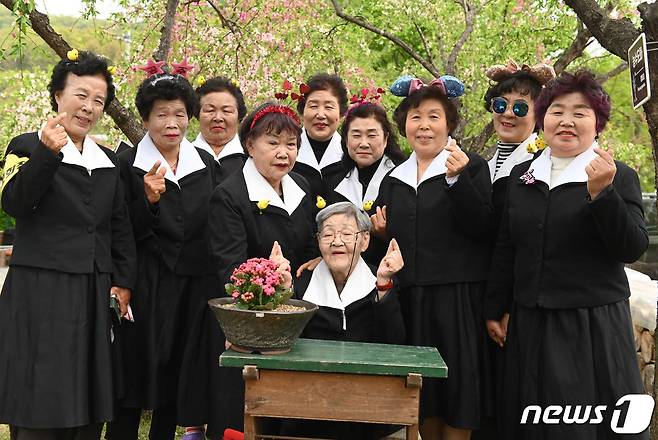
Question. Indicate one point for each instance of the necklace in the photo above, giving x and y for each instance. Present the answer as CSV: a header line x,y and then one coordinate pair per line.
x,y
173,165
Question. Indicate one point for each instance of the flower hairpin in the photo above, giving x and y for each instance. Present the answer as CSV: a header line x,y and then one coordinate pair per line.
x,y
200,80
73,55
447,84
541,72
367,96
304,89
153,67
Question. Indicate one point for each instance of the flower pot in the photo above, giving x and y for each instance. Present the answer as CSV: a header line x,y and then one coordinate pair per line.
x,y
262,331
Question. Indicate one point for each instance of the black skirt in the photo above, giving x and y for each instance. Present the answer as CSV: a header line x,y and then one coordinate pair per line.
x,y
583,356
55,349
449,317
165,306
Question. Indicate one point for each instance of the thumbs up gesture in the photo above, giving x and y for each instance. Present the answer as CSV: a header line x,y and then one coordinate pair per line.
x,y
457,160
154,183
390,264
600,172
276,255
54,135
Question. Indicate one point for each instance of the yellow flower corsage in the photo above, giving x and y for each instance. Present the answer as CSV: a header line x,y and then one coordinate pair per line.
x,y
112,70
73,55
367,205
320,203
536,145
201,80
262,205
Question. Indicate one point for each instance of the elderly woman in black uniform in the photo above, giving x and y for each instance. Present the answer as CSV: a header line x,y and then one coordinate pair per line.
x,y
322,106
573,218
168,185
73,249
357,302
257,212
437,205
221,109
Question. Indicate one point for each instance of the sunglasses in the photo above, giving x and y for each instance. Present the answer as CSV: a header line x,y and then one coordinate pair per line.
x,y
499,105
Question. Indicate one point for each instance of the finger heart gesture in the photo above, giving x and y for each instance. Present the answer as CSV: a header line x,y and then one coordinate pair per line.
x,y
600,172
457,160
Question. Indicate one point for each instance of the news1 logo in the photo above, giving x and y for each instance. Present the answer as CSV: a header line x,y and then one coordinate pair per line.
x,y
630,415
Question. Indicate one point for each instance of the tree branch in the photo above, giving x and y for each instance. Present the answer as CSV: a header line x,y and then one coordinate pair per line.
x,y
475,143
611,74
469,19
429,66
575,50
616,35
229,24
122,117
421,34
162,52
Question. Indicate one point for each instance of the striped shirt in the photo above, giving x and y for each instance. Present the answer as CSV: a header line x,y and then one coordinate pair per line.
x,y
504,151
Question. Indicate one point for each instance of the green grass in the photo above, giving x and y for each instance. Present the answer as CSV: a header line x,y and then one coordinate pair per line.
x,y
143,429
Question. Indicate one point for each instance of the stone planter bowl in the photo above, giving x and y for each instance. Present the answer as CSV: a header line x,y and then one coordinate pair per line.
x,y
262,331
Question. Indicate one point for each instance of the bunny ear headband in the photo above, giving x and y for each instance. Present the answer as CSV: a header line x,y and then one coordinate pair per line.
x,y
407,84
543,73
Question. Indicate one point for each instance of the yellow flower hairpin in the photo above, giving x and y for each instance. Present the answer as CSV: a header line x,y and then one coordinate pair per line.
x,y
201,80
320,203
262,205
112,70
235,83
73,55
536,145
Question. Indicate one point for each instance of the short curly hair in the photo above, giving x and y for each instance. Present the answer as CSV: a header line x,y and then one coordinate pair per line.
x,y
222,84
166,87
88,64
325,81
269,123
416,98
520,82
582,81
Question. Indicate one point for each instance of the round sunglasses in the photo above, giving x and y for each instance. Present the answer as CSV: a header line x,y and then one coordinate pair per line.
x,y
519,108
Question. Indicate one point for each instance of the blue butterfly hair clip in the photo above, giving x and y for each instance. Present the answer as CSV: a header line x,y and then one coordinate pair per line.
x,y
407,84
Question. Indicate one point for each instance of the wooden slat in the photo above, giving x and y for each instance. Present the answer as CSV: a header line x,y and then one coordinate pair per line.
x,y
329,396
346,357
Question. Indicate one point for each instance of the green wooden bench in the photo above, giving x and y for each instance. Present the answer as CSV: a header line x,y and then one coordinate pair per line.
x,y
335,380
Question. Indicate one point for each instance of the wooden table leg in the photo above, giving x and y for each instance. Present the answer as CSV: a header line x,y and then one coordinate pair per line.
x,y
251,423
412,432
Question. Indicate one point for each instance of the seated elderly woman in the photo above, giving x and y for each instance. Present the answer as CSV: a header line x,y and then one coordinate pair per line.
x,y
357,302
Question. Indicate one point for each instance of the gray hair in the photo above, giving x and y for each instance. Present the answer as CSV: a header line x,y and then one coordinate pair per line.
x,y
348,209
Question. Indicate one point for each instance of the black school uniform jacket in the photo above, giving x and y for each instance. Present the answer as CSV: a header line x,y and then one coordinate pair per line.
x,y
500,179
176,227
316,173
357,314
229,160
69,209
444,232
558,249
241,230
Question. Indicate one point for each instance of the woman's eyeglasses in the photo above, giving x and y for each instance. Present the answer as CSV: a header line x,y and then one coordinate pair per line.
x,y
519,108
346,237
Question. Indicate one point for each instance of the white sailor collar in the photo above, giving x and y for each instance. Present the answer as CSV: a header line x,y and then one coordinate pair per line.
x,y
352,189
91,158
540,168
333,153
407,171
259,189
520,154
189,160
234,146
322,290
